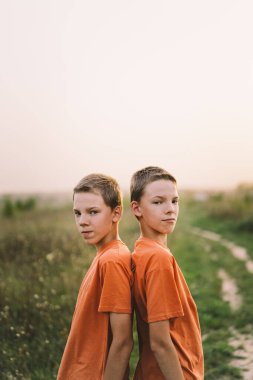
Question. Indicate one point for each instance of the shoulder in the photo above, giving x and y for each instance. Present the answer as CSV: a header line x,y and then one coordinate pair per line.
x,y
117,254
160,259
153,257
115,263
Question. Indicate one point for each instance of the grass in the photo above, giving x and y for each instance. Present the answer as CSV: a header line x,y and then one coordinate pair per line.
x,y
200,271
43,261
218,319
228,228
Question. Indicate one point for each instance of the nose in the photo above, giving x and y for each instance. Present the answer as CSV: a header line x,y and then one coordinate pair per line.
x,y
169,208
83,220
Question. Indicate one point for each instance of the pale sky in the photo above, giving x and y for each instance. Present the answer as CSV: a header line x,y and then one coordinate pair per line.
x,y
113,86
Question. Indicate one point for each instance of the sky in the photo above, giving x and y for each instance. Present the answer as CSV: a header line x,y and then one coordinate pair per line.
x,y
114,86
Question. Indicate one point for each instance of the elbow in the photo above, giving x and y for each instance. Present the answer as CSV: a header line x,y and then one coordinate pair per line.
x,y
130,345
127,345
158,346
124,345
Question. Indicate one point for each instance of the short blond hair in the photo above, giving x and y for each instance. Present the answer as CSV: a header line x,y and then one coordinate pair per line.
x,y
143,177
107,187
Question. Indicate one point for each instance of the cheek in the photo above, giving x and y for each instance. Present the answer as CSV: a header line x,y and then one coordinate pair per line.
x,y
103,222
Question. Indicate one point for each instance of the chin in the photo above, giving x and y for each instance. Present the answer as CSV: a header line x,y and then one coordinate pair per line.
x,y
169,231
89,242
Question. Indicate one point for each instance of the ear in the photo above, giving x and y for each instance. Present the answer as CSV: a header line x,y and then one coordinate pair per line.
x,y
117,212
135,207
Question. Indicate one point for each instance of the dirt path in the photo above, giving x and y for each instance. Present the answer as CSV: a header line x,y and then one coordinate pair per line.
x,y
242,343
230,291
237,251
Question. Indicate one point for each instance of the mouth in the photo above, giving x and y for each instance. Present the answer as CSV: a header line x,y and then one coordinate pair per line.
x,y
169,220
86,232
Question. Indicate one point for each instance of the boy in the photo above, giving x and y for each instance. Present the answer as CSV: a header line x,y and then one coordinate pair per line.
x,y
100,339
167,320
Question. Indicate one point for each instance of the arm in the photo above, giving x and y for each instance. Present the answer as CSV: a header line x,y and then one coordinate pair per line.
x,y
121,346
164,350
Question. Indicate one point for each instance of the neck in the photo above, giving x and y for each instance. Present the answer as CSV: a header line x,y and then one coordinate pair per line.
x,y
113,235
160,238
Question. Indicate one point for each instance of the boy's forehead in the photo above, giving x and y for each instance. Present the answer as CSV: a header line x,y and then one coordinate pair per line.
x,y
88,198
161,187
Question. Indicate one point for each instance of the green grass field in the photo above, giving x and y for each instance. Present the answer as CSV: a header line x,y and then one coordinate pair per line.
x,y
43,260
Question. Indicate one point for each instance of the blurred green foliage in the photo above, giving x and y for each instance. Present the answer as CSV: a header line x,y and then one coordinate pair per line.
x,y
232,206
12,206
42,263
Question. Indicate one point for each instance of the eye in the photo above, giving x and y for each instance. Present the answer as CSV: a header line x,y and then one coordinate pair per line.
x,y
77,213
93,212
175,201
157,202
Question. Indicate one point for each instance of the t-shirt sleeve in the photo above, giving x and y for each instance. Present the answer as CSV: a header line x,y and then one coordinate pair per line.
x,y
163,300
116,289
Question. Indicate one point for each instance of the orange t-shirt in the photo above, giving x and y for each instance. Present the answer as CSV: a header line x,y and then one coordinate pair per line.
x,y
106,288
161,293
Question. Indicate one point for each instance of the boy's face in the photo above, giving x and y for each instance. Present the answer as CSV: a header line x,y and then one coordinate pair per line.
x,y
158,208
94,219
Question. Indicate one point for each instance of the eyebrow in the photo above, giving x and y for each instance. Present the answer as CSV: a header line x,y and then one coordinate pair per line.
x,y
161,197
87,209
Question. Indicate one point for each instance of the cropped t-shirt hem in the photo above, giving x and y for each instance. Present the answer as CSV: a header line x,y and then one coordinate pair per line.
x,y
163,317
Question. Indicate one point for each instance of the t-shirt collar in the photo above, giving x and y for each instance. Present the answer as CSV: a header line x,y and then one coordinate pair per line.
x,y
110,244
149,241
